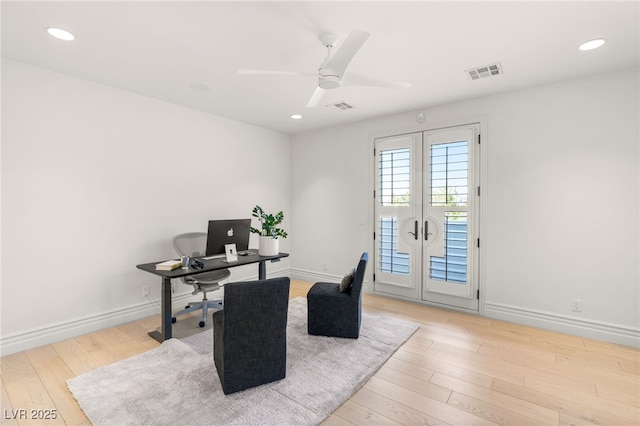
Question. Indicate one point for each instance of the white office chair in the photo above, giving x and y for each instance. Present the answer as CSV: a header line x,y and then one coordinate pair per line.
x,y
193,244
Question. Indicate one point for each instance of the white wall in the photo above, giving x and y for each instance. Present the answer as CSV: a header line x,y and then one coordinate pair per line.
x,y
560,207
96,180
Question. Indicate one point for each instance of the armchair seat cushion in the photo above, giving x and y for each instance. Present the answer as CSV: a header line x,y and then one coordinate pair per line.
x,y
329,291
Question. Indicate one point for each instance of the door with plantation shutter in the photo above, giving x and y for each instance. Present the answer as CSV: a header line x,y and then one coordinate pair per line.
x,y
426,213
450,208
398,211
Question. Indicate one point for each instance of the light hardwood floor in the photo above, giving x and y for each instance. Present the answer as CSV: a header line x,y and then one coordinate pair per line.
x,y
456,369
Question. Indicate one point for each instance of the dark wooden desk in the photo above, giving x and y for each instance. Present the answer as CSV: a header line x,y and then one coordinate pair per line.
x,y
209,265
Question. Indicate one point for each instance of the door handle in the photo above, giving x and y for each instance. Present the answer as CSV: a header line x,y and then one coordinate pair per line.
x,y
415,228
426,230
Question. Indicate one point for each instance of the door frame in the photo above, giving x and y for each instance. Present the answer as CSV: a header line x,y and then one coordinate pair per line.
x,y
429,125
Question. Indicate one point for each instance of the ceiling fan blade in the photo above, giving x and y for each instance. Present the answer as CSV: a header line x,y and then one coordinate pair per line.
x,y
352,79
315,98
267,72
347,50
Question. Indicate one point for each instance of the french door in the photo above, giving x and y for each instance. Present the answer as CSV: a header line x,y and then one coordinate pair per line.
x,y
426,214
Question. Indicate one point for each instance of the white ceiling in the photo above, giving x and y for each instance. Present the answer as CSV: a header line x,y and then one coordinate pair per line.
x,y
161,49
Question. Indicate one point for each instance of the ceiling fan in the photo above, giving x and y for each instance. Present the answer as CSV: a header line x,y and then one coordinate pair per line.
x,y
331,73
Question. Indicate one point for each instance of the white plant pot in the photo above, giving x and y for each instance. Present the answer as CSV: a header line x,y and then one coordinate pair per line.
x,y
269,246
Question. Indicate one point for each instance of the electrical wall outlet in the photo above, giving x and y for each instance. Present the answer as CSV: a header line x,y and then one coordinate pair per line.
x,y
576,305
146,290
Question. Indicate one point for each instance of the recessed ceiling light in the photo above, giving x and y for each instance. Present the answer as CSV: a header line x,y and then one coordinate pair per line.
x,y
296,116
592,44
60,34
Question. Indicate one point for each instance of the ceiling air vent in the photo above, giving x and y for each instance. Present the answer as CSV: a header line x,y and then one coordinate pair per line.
x,y
484,71
341,105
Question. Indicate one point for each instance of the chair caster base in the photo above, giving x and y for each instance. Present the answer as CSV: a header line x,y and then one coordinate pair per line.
x,y
201,324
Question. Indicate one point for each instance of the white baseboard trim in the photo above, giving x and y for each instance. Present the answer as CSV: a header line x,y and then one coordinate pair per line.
x,y
58,332
33,338
313,276
599,330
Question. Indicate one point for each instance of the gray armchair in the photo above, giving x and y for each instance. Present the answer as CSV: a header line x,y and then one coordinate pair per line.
x,y
193,244
250,334
332,312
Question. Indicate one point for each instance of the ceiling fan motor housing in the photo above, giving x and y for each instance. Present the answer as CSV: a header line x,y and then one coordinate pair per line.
x,y
328,81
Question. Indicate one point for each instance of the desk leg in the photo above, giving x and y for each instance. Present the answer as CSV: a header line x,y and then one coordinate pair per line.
x,y
262,270
166,313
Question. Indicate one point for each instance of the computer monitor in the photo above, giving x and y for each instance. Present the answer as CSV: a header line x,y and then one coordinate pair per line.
x,y
233,231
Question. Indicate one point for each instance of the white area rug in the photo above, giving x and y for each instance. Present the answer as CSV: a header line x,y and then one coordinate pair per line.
x,y
177,382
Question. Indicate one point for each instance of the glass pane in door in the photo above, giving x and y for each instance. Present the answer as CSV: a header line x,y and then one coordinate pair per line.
x,y
449,173
394,172
395,179
453,266
391,261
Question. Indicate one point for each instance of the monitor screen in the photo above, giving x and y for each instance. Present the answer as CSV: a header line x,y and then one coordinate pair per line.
x,y
233,231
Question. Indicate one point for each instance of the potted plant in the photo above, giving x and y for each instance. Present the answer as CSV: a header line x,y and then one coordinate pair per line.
x,y
269,232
